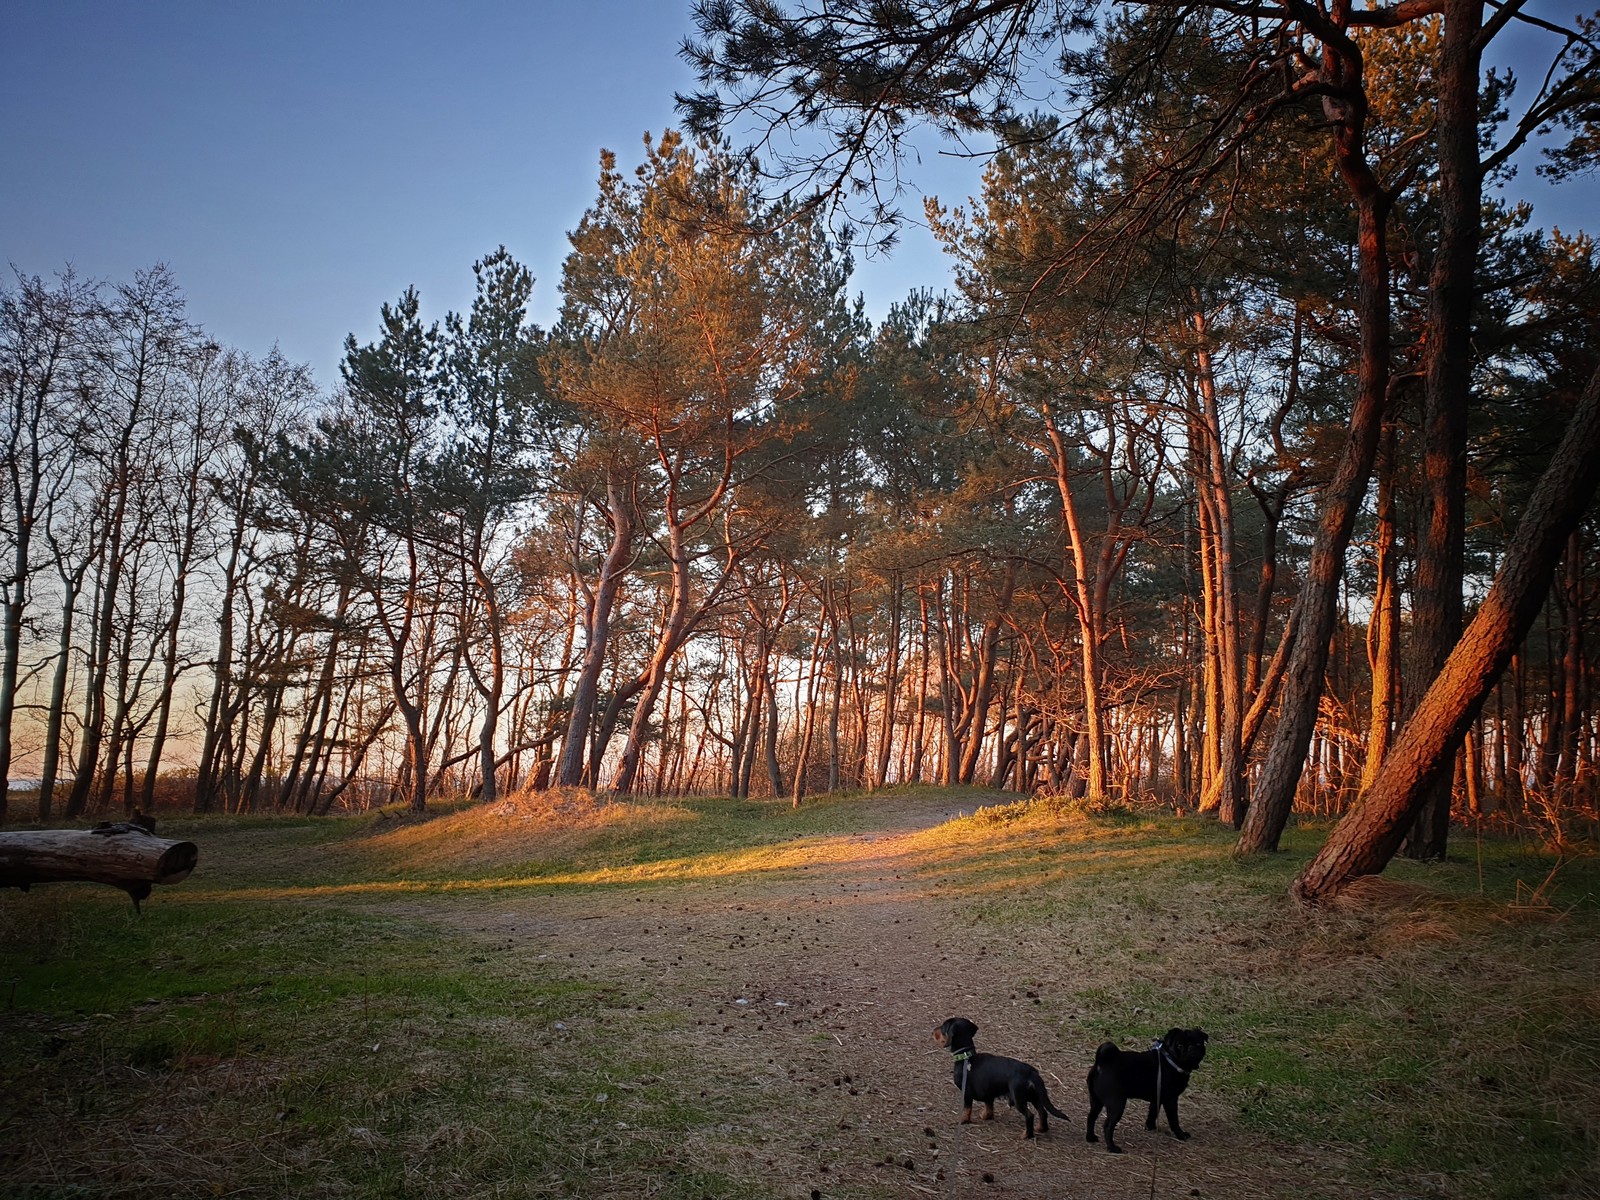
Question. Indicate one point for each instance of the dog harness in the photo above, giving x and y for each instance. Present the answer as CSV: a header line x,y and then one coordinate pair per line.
x,y
1162,1051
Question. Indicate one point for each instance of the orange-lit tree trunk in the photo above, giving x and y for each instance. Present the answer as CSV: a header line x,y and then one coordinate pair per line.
x,y
599,603
808,724
986,655
1224,790
891,679
1370,833
1083,595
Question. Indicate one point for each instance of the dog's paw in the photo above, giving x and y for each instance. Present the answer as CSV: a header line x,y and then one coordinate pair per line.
x,y
1181,1136
1114,1149
1089,1137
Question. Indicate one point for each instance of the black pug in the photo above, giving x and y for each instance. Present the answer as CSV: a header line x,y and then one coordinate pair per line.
x,y
1158,1075
983,1078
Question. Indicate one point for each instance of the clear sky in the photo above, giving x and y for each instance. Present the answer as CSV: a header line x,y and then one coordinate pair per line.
x,y
299,162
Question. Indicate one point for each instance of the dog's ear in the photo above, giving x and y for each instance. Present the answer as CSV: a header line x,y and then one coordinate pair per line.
x,y
1174,1035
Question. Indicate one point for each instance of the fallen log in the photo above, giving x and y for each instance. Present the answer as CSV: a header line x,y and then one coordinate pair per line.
x,y
125,855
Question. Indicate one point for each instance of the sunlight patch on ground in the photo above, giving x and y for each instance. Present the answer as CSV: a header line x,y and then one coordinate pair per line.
x,y
970,854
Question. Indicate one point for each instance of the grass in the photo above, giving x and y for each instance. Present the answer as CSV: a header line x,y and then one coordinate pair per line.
x,y
294,1047
1436,1026
307,1016
303,1050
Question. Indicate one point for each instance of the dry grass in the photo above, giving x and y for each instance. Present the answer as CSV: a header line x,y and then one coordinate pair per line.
x,y
555,825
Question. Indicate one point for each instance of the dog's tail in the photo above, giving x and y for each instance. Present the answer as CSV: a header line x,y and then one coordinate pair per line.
x,y
1107,1051
1044,1103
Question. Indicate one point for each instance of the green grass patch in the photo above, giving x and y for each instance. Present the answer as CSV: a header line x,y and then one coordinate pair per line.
x,y
1444,1026
286,1049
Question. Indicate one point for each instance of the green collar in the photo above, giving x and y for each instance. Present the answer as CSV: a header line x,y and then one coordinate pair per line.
x,y
962,1055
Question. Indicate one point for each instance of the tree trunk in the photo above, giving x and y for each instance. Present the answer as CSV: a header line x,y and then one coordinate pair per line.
x,y
1316,606
1368,836
836,695
99,657
217,709
71,584
169,675
1516,752
1447,363
597,628
1385,621
493,689
1226,787
1082,595
803,759
769,738
988,654
1572,670
891,682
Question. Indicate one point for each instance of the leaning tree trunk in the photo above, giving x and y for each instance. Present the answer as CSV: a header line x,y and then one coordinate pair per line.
x,y
1370,833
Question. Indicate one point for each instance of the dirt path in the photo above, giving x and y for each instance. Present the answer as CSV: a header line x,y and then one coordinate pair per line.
x,y
812,991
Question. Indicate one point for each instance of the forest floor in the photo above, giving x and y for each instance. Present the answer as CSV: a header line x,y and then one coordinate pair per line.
x,y
558,997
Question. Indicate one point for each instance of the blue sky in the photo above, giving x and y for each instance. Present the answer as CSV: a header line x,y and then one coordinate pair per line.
x,y
299,162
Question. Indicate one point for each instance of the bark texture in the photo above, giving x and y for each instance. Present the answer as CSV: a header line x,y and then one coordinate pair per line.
x,y
1371,832
125,856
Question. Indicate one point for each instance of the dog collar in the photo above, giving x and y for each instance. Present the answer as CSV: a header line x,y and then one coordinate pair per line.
x,y
961,1055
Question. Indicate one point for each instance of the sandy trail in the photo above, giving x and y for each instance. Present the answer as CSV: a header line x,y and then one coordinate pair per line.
x,y
812,990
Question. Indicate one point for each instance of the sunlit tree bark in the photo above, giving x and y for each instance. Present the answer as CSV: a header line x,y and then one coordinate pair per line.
x,y
1368,836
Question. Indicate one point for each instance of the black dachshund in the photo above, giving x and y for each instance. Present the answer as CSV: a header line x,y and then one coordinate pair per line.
x,y
1158,1075
984,1078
